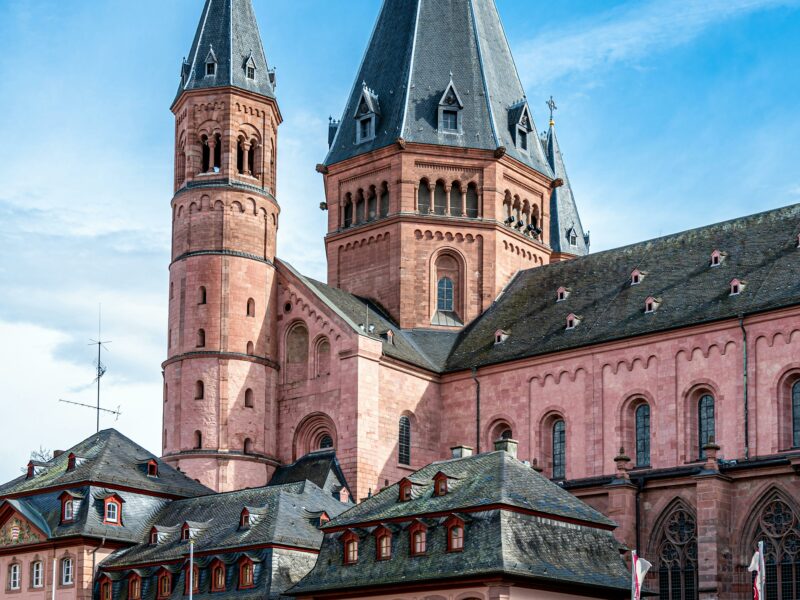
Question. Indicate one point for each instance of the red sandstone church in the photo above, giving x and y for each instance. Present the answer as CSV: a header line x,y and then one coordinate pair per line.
x,y
658,382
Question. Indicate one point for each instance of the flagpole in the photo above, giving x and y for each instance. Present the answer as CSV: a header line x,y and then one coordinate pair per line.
x,y
191,568
762,568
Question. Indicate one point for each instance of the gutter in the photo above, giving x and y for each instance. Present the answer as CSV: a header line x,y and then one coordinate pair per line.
x,y
94,557
744,377
477,410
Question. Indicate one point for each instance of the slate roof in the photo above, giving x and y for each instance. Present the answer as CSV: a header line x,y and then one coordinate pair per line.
x,y
563,210
415,46
424,348
497,541
320,467
229,27
286,514
482,480
760,249
107,458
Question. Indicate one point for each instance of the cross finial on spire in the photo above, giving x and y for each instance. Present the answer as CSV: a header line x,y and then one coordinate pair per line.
x,y
551,104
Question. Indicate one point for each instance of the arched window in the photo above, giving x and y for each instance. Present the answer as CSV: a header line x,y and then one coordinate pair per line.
x,y
326,442
677,556
404,442
455,201
323,358
240,156
206,155
251,307
796,415
359,216
251,159
506,434
67,571
202,295
439,198
348,211
643,435
14,576
705,422
105,589
444,295
384,199
249,401
424,197
472,201
164,589
218,577
246,574
372,204
134,587
251,349
297,354
248,446
559,449
199,390
778,526
37,572
201,338
198,440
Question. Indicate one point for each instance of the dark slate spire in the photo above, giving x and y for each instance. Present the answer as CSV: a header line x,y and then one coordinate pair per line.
x,y
418,47
227,37
564,218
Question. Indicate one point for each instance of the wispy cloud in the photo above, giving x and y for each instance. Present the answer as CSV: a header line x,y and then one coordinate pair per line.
x,y
627,34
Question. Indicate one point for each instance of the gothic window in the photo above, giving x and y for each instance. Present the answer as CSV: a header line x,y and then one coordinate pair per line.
x,y
472,201
559,449
778,526
796,415
444,295
297,354
424,197
705,421
249,401
439,198
404,441
384,200
677,556
643,435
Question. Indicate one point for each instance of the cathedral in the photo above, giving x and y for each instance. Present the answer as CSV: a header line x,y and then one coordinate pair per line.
x,y
465,335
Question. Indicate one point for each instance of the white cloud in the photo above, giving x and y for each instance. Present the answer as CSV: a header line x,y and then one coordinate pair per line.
x,y
627,34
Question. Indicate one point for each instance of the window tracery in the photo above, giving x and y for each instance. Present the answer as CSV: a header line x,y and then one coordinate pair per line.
x,y
778,526
677,556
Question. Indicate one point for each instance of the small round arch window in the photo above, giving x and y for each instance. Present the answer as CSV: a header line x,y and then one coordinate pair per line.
x,y
326,442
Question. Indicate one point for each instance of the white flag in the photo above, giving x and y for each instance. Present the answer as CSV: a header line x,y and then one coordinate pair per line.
x,y
639,568
757,565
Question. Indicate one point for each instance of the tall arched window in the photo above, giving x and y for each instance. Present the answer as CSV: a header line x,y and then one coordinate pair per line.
x,y
251,307
199,390
778,526
677,556
198,440
202,296
248,446
439,198
796,415
323,358
472,201
444,295
297,354
240,156
372,204
348,211
359,216
249,398
705,422
404,442
643,436
384,199
201,338
424,197
455,201
559,449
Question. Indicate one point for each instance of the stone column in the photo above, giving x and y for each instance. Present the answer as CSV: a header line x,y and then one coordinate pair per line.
x,y
212,154
447,189
464,203
714,535
246,158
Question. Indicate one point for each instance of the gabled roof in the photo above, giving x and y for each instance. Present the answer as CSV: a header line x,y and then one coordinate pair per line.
x,y
283,519
761,249
108,458
320,467
414,48
564,216
231,29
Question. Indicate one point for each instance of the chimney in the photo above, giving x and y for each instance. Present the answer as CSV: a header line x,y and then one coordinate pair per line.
x,y
57,453
509,446
461,451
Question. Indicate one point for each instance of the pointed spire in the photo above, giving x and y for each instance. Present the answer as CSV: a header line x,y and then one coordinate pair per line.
x,y
566,231
413,58
227,51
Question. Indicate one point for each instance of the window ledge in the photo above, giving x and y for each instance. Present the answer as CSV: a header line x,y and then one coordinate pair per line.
x,y
408,468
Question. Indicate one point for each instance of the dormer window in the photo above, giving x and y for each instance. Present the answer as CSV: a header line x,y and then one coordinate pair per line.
x,y
186,532
153,536
798,241
251,73
573,321
152,468
112,510
192,579
521,124
211,63
500,336
68,511
716,258
324,518
573,239
736,287
106,589
31,471
246,573
350,541
419,539
250,67
440,484
562,294
366,115
651,305
244,519
455,534
134,587
383,543
523,140
450,107
164,588
636,277
405,490
217,576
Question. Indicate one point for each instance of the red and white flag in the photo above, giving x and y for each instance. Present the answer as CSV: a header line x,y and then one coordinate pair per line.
x,y
639,568
757,565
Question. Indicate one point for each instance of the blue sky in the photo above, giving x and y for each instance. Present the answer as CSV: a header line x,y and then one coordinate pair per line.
x,y
672,114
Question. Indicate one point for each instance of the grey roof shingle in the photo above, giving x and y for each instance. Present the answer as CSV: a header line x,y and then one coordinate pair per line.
x,y
320,467
563,210
229,27
760,249
497,540
414,48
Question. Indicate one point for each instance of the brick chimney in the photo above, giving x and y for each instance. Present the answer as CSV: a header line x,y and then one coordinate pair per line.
x,y
461,451
509,446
